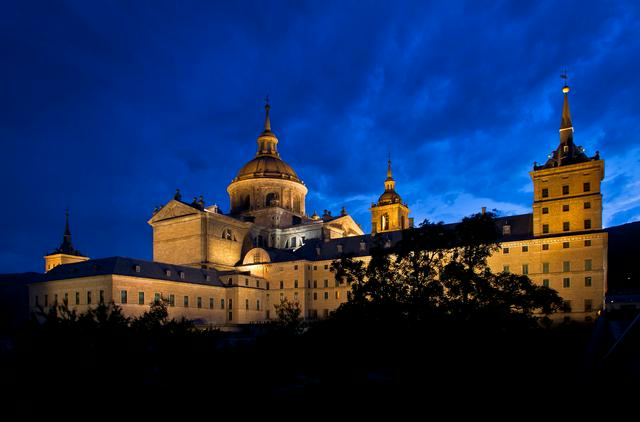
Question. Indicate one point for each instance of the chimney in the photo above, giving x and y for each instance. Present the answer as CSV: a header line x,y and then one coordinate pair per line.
x,y
484,210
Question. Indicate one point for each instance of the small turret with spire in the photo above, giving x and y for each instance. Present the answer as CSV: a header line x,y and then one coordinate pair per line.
x,y
65,253
389,213
267,141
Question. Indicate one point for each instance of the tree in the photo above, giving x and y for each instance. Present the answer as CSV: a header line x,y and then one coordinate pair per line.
x,y
289,315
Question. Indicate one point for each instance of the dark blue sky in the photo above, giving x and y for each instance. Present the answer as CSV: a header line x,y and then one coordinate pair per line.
x,y
107,107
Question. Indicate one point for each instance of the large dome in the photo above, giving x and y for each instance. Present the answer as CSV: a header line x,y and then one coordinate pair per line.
x,y
267,166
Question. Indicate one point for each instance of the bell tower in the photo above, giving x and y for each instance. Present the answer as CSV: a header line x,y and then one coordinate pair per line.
x,y
389,213
66,253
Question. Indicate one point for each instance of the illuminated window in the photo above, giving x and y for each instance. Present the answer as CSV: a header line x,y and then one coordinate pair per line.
x,y
227,234
587,282
123,296
566,282
586,187
337,294
565,190
137,268
506,230
167,273
384,222
181,275
545,267
587,264
545,193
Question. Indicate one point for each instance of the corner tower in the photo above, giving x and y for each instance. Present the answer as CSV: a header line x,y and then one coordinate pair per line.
x,y
567,196
66,253
389,213
267,181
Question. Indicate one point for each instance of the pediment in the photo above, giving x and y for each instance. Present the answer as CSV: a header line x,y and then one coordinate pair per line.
x,y
173,209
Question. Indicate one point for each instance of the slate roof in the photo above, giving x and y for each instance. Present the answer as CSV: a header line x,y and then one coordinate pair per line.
x,y
127,266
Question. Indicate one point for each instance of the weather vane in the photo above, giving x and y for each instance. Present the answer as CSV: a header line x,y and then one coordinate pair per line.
x,y
564,76
266,99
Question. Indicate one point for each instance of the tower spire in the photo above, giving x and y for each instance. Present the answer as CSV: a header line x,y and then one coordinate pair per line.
x,y
267,120
565,123
267,141
389,183
66,246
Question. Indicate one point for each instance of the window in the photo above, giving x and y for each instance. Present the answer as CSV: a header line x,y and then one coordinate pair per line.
x,y
258,283
326,267
181,275
587,224
326,295
586,187
565,245
101,296
267,285
545,268
295,296
506,230
588,305
156,297
384,220
587,282
295,267
199,302
565,190
66,298
326,283
295,284
566,226
587,264
326,313
246,281
293,242
587,205
137,268
545,246
186,301
123,296
258,305
281,284
231,302
567,306
566,282
505,268
337,294
545,210
545,193
246,304
211,302
566,266
89,298
545,282
172,300
315,267
337,283
565,208
545,228
505,250
587,242
140,298
525,269
230,281
167,273
315,284
315,295
339,246
268,314
221,303
525,249
36,300
226,234
230,316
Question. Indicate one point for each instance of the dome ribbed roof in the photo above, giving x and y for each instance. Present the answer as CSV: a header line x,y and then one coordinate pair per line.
x,y
389,197
267,166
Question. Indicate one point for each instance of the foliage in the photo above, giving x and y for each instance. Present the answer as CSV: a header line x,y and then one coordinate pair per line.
x,y
289,316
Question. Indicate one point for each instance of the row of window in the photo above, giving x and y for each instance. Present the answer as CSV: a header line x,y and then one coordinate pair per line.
x,y
565,207
185,301
566,282
586,187
325,295
588,305
315,267
566,226
89,298
566,267
545,246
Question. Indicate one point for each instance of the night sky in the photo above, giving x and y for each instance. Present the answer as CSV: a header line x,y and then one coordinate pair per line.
x,y
108,107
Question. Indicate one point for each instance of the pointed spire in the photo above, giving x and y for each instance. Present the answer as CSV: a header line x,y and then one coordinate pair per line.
x,y
566,113
389,183
267,120
67,231
66,247
267,141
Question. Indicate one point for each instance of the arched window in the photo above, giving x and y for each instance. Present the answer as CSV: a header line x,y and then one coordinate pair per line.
x,y
296,203
271,200
293,242
227,234
246,202
384,222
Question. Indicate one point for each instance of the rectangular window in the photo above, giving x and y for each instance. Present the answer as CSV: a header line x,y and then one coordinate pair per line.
x,y
587,224
505,268
199,302
172,300
587,264
89,298
258,283
567,306
185,301
545,268
267,285
545,210
123,296
525,249
315,267
545,192
566,282
587,205
337,294
326,313
246,281
545,246
231,302
295,284
566,226
326,283
586,187
588,305
565,208
505,250
545,228
258,304
315,284
566,266
295,267
326,267
295,296
78,298
268,314
66,298
315,295
587,242
281,284
587,282
545,282
566,245
525,269
211,302
246,304
281,297
221,303
230,316
565,190
140,298
326,295
156,297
